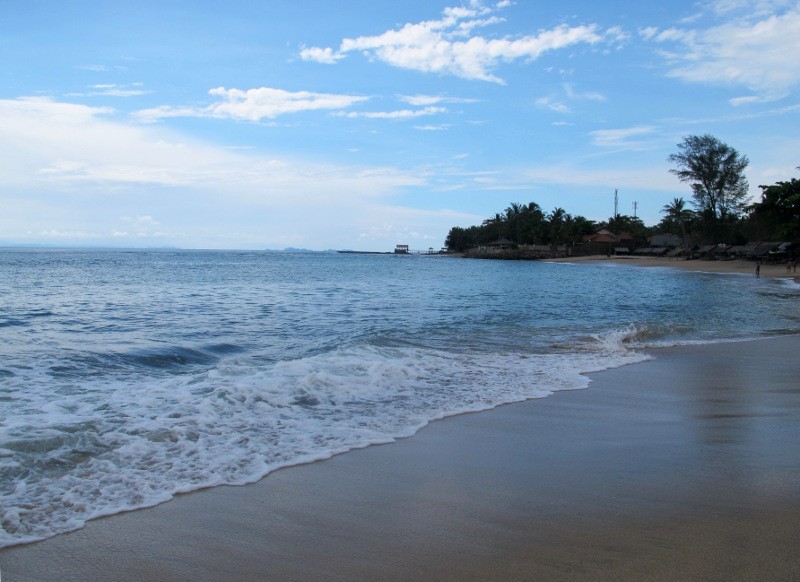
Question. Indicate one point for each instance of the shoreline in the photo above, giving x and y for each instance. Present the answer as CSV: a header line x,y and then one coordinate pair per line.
x,y
682,466
735,266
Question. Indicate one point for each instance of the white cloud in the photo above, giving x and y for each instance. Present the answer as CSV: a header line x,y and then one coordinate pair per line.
x,y
582,96
757,50
254,104
399,114
74,172
319,55
558,105
551,104
95,68
445,46
746,100
140,226
423,100
629,178
749,7
420,100
626,138
110,90
431,127
116,91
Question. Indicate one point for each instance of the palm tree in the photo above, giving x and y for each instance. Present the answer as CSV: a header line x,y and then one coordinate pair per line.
x,y
533,224
557,218
513,216
677,212
492,228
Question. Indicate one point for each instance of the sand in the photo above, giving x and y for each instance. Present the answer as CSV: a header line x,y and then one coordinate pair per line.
x,y
685,467
740,266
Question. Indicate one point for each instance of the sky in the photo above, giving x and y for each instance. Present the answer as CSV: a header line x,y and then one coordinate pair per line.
x,y
362,124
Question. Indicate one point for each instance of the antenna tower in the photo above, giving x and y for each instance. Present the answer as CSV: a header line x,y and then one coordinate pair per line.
x,y
616,204
635,206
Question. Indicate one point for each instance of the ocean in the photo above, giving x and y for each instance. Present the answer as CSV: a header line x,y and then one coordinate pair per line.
x,y
129,376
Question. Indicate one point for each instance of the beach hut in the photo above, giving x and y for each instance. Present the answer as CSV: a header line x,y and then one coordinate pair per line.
x,y
736,251
664,240
780,253
763,249
706,252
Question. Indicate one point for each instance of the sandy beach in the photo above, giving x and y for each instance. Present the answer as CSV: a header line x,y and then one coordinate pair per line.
x,y
740,266
683,467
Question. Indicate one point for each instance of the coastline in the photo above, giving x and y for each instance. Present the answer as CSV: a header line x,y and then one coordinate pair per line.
x,y
681,467
735,266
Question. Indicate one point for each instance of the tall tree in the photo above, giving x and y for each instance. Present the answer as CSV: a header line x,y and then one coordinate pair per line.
x,y
679,215
715,172
777,216
534,224
513,221
492,229
460,239
556,220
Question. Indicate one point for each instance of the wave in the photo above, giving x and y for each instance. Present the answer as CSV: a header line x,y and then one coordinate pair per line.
x,y
168,357
116,446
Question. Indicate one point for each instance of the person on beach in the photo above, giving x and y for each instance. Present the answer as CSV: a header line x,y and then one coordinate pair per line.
x,y
758,268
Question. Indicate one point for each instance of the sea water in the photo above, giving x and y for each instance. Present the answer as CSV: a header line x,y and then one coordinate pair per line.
x,y
129,376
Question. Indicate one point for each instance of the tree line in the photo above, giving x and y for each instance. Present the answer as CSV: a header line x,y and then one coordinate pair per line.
x,y
718,211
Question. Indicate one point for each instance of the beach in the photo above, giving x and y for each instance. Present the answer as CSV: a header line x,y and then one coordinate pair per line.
x,y
738,266
682,467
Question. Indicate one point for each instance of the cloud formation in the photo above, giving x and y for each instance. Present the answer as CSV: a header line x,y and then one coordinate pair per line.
x,y
627,138
447,46
254,104
756,49
75,174
113,90
399,114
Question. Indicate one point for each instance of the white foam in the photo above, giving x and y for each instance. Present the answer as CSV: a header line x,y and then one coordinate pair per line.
x,y
141,443
793,284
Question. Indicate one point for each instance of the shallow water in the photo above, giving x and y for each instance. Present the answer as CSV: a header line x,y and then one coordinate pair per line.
x,y
126,377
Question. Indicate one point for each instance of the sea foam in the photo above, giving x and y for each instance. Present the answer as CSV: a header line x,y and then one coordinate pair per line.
x,y
128,377
112,448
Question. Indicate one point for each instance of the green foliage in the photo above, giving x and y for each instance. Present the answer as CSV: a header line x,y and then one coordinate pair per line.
x,y
678,220
632,225
715,172
777,216
522,224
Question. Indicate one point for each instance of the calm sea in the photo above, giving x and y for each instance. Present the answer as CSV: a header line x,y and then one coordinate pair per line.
x,y
126,377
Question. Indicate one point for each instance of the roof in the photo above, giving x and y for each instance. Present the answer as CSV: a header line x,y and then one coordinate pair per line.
x,y
664,240
764,248
602,237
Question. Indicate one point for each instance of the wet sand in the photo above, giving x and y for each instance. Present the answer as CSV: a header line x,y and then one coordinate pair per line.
x,y
685,467
740,266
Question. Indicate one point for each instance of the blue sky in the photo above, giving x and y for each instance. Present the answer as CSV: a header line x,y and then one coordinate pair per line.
x,y
363,124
